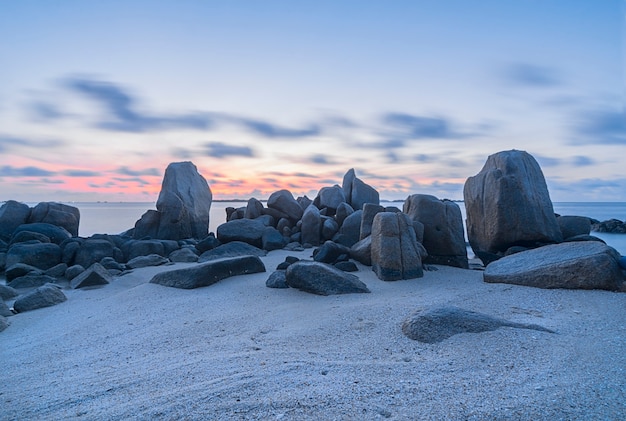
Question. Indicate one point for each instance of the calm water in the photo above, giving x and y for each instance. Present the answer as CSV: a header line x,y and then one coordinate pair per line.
x,y
114,218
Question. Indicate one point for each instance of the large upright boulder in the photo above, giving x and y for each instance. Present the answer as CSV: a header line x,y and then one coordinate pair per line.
x,y
284,202
357,192
444,237
58,214
330,198
311,226
12,215
40,255
182,207
507,205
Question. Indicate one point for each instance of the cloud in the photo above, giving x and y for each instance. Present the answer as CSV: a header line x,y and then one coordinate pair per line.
x,y
322,159
546,161
81,173
273,131
10,171
138,180
602,126
122,115
531,76
44,111
418,127
10,142
135,173
222,150
582,161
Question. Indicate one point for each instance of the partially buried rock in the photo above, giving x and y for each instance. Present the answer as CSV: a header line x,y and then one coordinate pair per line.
x,y
233,249
5,311
145,261
277,280
439,324
95,275
209,273
4,323
184,255
573,265
7,292
322,279
31,280
44,296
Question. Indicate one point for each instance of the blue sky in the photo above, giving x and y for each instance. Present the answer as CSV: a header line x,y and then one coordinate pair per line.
x,y
96,98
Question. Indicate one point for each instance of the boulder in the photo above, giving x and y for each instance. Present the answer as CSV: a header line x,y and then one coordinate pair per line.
x,y
272,239
145,261
73,271
232,249
311,228
277,280
508,204
136,248
40,255
95,275
322,279
357,192
343,211
7,292
330,198
5,311
93,251
57,214
31,280
369,212
246,230
330,252
614,226
184,255
572,226
56,234
4,323
208,273
350,230
444,235
572,265
362,251
208,243
283,202
20,269
44,296
396,254
26,236
12,215
182,207
57,271
346,266
111,264
254,209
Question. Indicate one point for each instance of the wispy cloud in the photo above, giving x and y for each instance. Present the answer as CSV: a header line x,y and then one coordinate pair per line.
x,y
11,142
420,127
531,76
10,171
600,126
81,173
135,173
222,150
273,131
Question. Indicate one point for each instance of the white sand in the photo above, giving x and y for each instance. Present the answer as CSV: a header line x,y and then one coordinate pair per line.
x,y
240,350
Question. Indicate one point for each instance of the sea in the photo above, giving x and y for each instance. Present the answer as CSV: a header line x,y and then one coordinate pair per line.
x,y
115,218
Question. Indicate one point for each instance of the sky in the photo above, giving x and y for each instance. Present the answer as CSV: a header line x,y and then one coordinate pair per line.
x,y
97,98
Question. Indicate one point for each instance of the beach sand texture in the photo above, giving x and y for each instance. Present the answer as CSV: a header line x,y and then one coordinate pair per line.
x,y
240,350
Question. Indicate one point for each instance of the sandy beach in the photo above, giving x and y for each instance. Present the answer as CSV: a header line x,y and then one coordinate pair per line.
x,y
240,350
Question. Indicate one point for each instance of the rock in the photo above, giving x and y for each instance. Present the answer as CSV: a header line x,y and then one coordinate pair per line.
x,y
5,311
444,235
69,249
26,236
330,198
572,226
311,229
4,323
358,193
7,292
438,324
183,206
40,255
272,239
111,264
254,209
330,252
208,243
56,234
136,248
277,280
329,229
73,271
396,254
508,204
246,230
343,211
57,271
362,251
232,249
145,261
93,276
572,265
622,262
20,269
12,215
346,266
208,273
93,251
44,296
350,230
31,280
58,214
284,202
369,212
322,279
614,226
184,255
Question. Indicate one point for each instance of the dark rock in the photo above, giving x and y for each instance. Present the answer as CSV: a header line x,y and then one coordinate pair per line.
x,y
369,212
346,266
277,215
184,255
5,311
508,204
622,262
93,251
58,214
311,228
284,224
40,255
330,252
572,265
44,296
254,209
304,202
208,243
282,265
330,198
329,229
56,234
7,292
277,280
31,280
584,238
444,235
12,215
272,239
73,271
232,249
396,254
136,248
322,279
284,202
267,220
208,273
4,323
20,269
362,251
246,230
93,276
438,324
182,207
571,226
57,271
145,261
69,248
614,226
110,263
350,230
343,211
358,193
26,236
